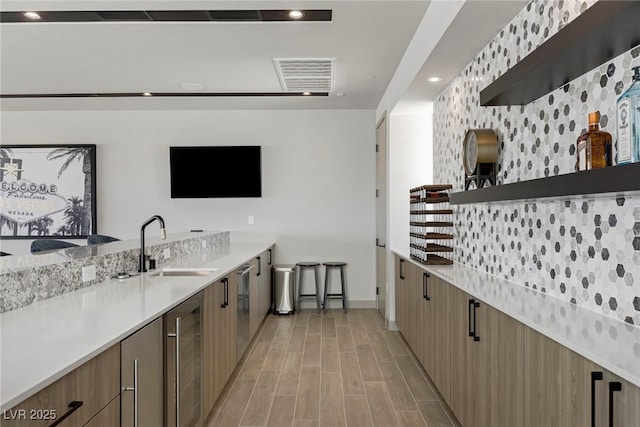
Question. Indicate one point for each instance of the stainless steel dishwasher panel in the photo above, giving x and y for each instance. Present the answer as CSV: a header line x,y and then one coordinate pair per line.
x,y
183,364
244,305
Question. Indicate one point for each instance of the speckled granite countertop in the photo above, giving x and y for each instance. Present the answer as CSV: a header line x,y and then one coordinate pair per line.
x,y
32,278
610,343
44,341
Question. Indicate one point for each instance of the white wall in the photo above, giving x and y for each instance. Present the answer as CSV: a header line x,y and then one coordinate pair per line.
x,y
318,176
410,165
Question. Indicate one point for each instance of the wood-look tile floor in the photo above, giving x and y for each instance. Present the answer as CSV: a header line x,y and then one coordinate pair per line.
x,y
330,369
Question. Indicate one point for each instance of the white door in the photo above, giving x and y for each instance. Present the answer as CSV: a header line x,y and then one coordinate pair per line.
x,y
381,214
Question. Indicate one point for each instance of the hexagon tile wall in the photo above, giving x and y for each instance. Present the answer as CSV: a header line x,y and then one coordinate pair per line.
x,y
583,251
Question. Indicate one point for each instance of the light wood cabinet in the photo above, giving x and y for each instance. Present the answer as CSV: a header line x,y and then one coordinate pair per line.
x,y
435,335
495,369
95,384
413,327
476,354
264,290
254,282
142,373
219,330
409,304
558,384
458,347
624,406
260,289
231,352
565,389
108,417
401,294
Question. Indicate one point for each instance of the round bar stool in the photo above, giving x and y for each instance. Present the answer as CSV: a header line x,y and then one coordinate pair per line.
x,y
300,269
343,284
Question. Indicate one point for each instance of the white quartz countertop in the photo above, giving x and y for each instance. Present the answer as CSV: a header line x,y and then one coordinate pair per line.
x,y
44,341
610,343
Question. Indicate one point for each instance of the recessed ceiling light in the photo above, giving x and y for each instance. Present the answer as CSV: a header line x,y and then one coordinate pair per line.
x,y
306,93
146,94
434,79
31,15
370,76
295,14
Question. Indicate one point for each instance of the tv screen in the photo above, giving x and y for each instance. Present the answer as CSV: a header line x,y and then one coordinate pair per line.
x,y
207,172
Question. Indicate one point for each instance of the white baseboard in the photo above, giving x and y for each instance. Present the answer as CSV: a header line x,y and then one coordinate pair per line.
x,y
392,326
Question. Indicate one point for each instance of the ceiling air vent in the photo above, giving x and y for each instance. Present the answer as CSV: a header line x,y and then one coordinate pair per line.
x,y
306,74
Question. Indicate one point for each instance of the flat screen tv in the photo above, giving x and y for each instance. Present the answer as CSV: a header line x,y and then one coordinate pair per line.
x,y
215,171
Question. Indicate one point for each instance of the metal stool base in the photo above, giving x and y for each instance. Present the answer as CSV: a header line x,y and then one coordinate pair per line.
x,y
299,276
343,281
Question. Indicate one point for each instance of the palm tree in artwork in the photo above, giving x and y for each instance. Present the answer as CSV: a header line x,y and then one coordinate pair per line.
x,y
63,230
41,225
74,214
81,154
4,221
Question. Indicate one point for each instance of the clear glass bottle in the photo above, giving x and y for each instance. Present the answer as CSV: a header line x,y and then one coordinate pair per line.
x,y
628,126
593,147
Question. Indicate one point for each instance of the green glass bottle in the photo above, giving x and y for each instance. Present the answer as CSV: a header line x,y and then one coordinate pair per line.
x,y
628,127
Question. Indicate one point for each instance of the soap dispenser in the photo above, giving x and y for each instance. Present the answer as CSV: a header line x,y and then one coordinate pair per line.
x,y
628,127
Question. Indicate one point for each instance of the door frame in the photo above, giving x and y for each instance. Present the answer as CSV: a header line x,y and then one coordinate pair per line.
x,y
381,249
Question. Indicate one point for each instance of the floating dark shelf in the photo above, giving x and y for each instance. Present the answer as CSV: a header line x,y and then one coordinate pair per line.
x,y
615,179
604,31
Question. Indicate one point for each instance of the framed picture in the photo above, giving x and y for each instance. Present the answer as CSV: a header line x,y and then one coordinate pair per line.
x,y
47,191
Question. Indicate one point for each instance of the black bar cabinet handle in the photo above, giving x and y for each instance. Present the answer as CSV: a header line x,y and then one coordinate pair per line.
x,y
401,269
613,386
475,324
425,286
73,406
595,376
270,256
471,303
259,267
225,292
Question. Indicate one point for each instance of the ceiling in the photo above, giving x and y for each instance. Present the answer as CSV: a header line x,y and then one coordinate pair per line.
x,y
367,38
477,23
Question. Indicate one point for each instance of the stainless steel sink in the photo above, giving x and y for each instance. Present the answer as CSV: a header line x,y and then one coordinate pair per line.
x,y
178,271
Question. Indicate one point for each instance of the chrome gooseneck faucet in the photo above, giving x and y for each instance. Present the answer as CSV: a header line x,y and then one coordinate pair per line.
x,y
163,235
